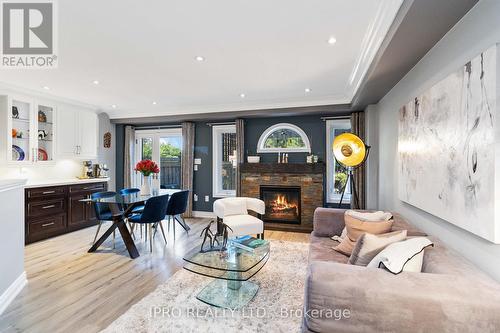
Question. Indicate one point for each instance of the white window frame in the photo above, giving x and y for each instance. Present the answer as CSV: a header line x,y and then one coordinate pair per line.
x,y
292,127
217,131
154,134
331,196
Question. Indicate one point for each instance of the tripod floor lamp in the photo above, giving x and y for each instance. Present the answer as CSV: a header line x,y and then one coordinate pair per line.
x,y
351,152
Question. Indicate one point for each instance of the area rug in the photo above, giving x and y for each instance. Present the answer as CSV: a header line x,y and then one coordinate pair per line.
x,y
277,307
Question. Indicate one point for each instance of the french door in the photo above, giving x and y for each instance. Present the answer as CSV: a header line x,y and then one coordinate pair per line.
x,y
164,147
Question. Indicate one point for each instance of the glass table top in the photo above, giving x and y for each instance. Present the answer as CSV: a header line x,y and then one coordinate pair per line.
x,y
233,264
129,199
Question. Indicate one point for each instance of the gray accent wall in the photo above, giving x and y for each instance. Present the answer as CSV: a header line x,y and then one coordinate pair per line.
x,y
312,125
477,31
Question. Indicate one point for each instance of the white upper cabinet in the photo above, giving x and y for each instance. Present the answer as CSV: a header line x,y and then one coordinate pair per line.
x,y
77,133
29,125
38,132
67,133
88,129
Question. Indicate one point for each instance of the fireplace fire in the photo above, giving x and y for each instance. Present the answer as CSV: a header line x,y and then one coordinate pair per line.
x,y
282,204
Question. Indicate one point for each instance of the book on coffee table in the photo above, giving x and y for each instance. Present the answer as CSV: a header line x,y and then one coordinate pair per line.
x,y
247,243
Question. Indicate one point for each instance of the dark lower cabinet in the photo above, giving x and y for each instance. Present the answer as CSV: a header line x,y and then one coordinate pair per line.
x,y
77,210
56,210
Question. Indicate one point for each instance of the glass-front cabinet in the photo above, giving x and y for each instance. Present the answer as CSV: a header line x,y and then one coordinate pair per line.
x,y
30,129
45,133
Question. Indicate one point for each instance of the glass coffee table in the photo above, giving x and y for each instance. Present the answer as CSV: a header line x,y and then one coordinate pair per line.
x,y
231,269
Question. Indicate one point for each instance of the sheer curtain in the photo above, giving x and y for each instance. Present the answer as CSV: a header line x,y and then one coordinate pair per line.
x,y
358,128
187,162
240,151
129,157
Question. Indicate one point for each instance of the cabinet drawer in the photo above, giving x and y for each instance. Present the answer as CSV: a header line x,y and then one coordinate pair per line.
x,y
45,192
92,187
46,207
46,227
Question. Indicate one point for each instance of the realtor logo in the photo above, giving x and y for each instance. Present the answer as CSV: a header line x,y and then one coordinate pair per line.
x,y
28,35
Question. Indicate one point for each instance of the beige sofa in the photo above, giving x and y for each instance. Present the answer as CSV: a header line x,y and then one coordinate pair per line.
x,y
451,295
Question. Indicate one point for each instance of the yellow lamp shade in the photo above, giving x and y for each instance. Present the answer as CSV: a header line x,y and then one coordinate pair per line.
x,y
349,149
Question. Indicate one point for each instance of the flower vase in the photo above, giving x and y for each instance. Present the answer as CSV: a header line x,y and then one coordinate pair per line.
x,y
146,185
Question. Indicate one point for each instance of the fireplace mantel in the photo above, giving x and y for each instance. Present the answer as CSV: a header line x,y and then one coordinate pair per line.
x,y
290,168
308,177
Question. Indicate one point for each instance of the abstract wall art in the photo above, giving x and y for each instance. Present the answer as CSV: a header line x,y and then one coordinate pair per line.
x,y
448,147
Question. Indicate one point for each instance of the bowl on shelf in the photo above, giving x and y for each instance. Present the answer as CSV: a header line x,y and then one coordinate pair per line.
x,y
253,159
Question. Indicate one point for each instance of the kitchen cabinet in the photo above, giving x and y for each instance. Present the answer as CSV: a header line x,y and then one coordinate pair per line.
x,y
79,129
30,127
56,210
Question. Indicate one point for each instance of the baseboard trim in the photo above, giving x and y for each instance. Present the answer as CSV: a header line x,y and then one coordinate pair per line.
x,y
15,288
199,213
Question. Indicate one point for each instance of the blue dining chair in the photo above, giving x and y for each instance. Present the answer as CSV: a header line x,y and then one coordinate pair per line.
x,y
177,205
128,191
154,212
103,211
135,210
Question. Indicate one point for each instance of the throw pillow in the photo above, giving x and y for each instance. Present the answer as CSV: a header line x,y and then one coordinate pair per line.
x,y
368,246
235,206
402,256
369,216
356,228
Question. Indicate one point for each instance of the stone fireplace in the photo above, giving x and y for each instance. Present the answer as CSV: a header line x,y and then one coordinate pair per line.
x,y
282,204
291,192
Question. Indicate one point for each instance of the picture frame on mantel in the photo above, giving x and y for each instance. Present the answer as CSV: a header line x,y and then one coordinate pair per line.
x,y
447,148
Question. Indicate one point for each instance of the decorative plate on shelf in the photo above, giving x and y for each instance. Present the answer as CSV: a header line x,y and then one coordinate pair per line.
x,y
42,155
42,117
17,153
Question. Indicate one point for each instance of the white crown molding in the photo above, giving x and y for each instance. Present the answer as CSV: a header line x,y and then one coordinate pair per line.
x,y
202,214
372,41
15,288
244,106
10,88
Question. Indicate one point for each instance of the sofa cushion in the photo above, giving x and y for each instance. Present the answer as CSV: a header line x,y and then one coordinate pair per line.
x,y
401,224
320,249
368,246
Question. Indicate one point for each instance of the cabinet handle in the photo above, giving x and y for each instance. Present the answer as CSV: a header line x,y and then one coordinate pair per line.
x,y
50,206
48,192
48,224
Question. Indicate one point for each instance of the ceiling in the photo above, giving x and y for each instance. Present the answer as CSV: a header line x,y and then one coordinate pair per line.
x,y
270,51
407,41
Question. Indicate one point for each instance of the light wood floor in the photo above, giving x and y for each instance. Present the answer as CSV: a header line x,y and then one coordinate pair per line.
x,y
70,290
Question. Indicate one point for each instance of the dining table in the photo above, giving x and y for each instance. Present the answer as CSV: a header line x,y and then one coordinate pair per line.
x,y
121,207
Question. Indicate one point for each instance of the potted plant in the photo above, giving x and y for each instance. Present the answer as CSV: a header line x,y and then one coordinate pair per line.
x,y
147,168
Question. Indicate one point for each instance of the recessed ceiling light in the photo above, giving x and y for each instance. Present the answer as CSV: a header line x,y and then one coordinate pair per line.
x,y
242,95
46,88
199,58
95,82
307,90
332,40
154,103
113,106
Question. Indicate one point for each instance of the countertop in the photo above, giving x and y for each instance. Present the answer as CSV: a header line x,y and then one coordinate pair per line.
x,y
60,182
7,184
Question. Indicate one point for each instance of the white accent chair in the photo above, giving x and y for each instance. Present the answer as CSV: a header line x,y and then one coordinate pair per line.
x,y
233,212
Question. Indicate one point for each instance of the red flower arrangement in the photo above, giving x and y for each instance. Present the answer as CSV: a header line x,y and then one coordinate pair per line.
x,y
147,167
